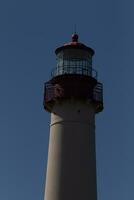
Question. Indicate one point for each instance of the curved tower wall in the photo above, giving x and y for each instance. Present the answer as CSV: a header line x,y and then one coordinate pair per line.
x,y
71,169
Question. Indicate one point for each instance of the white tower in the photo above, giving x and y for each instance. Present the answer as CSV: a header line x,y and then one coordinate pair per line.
x,y
73,96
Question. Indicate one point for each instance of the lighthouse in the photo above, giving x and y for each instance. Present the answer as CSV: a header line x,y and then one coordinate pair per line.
x,y
73,96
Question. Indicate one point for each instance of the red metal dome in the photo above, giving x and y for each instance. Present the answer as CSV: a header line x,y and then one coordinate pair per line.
x,y
75,44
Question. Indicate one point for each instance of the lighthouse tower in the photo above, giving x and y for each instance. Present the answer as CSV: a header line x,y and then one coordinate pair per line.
x,y
73,96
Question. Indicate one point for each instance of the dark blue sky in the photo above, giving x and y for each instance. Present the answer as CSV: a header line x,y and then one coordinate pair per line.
x,y
29,33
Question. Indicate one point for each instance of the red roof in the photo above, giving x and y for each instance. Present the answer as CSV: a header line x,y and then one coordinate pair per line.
x,y
74,44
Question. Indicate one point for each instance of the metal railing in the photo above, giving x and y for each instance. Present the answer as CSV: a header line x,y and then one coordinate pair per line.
x,y
98,92
62,70
49,91
51,94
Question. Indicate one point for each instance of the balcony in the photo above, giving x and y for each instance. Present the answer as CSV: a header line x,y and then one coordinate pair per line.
x,y
59,92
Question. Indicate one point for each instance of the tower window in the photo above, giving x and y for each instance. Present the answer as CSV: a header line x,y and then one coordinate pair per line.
x,y
74,66
81,66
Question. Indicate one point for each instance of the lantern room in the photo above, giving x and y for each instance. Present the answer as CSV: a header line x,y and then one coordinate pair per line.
x,y
74,58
